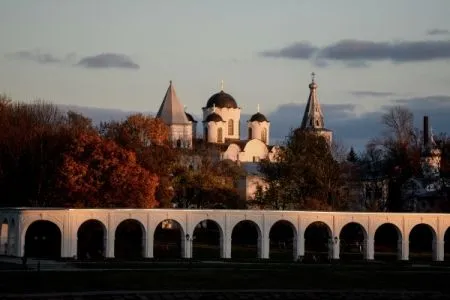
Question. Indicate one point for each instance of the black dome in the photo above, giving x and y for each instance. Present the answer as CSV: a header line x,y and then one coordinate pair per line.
x,y
259,117
190,118
221,100
214,117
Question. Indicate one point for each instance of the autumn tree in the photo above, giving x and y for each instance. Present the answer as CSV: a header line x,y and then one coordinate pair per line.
x,y
30,151
205,181
97,172
304,176
147,137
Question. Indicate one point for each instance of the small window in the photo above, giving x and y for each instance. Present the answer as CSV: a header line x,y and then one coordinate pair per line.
x,y
205,133
264,135
250,133
219,135
230,127
178,143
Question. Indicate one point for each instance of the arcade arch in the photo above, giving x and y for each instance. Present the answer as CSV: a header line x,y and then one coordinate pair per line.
x,y
246,240
353,241
282,240
422,238
43,240
387,242
91,240
207,240
317,242
168,240
129,242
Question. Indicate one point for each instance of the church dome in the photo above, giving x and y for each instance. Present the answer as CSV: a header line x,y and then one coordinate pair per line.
x,y
259,117
221,100
214,118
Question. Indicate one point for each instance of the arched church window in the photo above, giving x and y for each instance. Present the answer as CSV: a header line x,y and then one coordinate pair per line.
x,y
264,135
178,143
250,133
230,127
219,135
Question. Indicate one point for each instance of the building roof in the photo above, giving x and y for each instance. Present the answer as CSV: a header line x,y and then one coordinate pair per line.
x,y
258,117
313,116
221,100
214,117
171,111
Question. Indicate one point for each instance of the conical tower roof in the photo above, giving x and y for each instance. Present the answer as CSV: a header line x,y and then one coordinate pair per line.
x,y
313,116
171,111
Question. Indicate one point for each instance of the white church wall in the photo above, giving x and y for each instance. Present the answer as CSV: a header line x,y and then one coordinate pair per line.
x,y
212,131
226,114
182,132
232,152
254,151
257,128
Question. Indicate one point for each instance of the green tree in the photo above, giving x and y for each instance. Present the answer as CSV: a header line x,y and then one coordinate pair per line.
x,y
305,175
352,156
205,181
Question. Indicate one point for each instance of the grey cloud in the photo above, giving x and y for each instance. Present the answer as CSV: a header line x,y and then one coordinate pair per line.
x,y
371,94
357,53
351,50
38,57
108,60
300,50
437,31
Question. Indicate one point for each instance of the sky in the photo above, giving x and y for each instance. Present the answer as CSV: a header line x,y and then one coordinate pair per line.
x,y
113,57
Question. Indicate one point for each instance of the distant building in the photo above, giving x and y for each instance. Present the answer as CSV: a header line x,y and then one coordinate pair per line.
x,y
221,130
425,192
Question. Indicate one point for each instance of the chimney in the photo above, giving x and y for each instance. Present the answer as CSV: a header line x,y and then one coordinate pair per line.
x,y
426,131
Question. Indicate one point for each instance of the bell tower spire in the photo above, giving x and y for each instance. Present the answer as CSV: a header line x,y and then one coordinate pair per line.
x,y
313,118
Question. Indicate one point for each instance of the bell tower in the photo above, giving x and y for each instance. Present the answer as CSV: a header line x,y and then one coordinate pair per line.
x,y
313,119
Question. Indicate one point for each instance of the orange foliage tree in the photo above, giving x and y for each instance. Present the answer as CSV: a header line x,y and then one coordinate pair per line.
x,y
99,173
148,137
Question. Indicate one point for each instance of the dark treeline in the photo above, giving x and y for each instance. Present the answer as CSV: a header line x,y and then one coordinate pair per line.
x,y
50,158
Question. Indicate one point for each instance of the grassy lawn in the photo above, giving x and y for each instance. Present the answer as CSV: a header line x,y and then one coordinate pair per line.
x,y
232,276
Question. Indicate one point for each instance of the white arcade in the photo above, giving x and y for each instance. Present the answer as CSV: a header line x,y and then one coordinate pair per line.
x,y
58,232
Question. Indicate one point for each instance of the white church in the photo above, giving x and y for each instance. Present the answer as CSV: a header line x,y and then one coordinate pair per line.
x,y
221,127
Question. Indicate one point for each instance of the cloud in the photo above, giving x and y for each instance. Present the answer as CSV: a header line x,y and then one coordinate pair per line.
x,y
351,50
358,53
300,50
371,94
103,60
108,60
38,57
437,31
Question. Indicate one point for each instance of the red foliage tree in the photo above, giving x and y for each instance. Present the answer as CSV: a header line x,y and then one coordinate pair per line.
x,y
148,138
97,172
